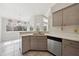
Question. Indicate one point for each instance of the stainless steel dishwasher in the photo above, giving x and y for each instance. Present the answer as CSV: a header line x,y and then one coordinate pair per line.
x,y
54,45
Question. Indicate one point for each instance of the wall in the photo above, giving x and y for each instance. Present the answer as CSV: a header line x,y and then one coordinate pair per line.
x,y
17,12
56,30
13,12
0,29
8,35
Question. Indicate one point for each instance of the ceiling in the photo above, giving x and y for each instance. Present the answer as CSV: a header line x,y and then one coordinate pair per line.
x,y
25,10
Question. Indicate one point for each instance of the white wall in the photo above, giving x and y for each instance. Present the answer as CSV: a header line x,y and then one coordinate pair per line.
x,y
0,29
69,30
13,12
8,35
18,12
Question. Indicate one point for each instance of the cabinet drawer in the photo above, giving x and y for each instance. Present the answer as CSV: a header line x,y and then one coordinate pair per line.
x,y
71,43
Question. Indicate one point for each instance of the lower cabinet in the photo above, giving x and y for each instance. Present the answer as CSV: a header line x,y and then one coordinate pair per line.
x,y
38,43
25,43
34,43
52,44
70,48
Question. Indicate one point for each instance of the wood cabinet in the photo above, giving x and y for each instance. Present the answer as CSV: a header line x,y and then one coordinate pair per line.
x,y
71,15
25,43
34,43
67,16
70,48
42,43
57,18
38,43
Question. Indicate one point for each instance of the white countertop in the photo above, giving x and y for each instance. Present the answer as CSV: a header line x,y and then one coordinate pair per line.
x,y
32,35
62,35
26,34
66,36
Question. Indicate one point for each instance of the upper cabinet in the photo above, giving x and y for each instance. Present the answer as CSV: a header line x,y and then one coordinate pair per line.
x,y
57,18
71,15
67,16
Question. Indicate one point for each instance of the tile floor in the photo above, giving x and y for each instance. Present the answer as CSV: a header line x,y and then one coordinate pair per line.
x,y
13,48
10,48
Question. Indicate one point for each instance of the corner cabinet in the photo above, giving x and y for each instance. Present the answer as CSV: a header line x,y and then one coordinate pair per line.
x,y
70,48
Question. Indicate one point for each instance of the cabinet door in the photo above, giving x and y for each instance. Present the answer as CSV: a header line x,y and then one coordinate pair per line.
x,y
71,15
70,48
57,18
42,43
34,43
39,43
70,51
25,43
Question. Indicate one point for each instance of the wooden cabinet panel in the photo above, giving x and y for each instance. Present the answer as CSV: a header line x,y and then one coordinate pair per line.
x,y
57,18
71,15
34,43
25,43
39,43
70,48
67,16
42,43
70,51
